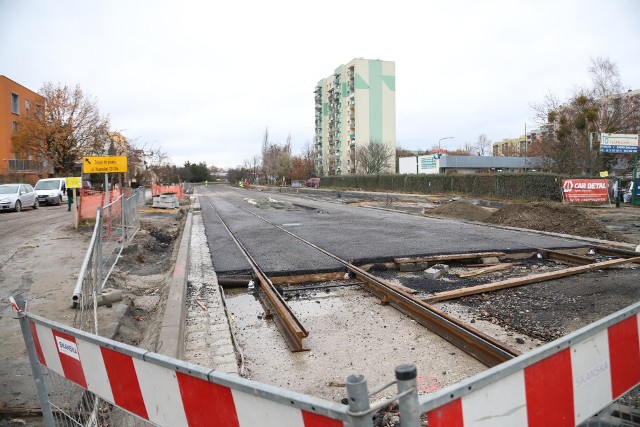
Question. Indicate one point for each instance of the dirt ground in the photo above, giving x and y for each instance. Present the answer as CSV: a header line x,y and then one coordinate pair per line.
x,y
606,223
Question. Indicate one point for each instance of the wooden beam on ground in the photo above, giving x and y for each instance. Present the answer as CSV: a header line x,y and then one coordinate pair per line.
x,y
452,257
519,281
303,278
483,270
566,258
622,253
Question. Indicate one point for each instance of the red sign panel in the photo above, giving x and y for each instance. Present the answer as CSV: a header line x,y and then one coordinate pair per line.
x,y
585,190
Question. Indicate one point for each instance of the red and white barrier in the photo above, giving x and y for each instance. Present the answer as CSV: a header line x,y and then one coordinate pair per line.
x,y
563,389
158,394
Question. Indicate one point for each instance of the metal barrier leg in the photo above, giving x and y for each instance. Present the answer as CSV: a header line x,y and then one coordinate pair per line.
x,y
409,408
358,395
36,369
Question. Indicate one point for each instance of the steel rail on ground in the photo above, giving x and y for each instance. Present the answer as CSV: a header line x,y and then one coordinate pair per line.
x,y
486,349
290,327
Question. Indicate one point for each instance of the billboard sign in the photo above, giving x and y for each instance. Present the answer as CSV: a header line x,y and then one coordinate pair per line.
x,y
429,164
585,190
618,143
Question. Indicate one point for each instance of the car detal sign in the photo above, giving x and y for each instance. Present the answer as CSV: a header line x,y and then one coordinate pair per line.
x,y
585,190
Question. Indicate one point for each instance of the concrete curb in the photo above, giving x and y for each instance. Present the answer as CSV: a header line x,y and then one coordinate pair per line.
x,y
171,336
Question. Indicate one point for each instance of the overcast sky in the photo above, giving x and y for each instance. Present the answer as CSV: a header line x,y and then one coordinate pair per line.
x,y
203,79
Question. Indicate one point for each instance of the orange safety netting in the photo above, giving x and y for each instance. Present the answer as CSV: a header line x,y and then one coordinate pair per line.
x,y
91,200
166,189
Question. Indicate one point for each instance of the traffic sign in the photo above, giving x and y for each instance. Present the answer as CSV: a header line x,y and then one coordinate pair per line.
x,y
104,164
73,182
618,143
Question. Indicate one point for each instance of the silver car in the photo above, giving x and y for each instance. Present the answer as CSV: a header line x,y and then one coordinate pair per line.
x,y
17,196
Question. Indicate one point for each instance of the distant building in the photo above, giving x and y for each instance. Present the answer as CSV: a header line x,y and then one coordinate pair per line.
x,y
434,163
135,157
353,106
515,147
16,101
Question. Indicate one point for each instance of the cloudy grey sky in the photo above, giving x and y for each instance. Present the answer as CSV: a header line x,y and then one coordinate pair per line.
x,y
203,79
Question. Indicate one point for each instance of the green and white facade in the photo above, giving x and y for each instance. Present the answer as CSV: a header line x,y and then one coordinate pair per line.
x,y
353,106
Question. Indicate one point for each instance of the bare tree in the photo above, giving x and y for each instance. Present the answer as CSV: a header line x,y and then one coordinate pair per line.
x,y
605,77
253,166
569,128
374,158
482,146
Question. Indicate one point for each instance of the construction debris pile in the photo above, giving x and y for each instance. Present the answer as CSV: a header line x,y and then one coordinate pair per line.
x,y
555,218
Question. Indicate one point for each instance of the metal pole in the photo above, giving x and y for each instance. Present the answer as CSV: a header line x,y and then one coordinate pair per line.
x,y
590,148
619,192
525,148
408,405
106,189
123,206
98,285
358,396
36,369
634,189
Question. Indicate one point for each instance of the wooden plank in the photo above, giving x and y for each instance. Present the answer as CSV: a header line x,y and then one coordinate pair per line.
x,y
303,278
490,269
452,257
566,258
519,281
622,253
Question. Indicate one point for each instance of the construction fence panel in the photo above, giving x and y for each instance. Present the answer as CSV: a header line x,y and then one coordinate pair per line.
x,y
167,189
91,200
132,213
582,379
563,383
116,224
91,380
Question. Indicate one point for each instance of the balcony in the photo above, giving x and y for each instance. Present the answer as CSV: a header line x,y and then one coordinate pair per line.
x,y
25,166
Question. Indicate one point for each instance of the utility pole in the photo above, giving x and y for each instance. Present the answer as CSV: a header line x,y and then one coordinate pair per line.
x,y
525,147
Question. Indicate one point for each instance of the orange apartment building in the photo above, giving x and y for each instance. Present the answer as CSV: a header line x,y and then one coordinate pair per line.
x,y
16,101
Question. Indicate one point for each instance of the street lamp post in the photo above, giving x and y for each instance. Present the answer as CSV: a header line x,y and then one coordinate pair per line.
x,y
442,139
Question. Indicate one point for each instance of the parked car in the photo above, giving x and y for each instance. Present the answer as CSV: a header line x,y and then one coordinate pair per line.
x,y
86,185
312,182
17,196
52,191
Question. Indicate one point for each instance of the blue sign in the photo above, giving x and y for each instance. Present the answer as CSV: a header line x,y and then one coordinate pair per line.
x,y
621,149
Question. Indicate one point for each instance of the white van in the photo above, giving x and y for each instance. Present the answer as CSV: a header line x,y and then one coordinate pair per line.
x,y
51,191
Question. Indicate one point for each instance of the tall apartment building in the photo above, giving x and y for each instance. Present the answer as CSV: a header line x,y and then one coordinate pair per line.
x,y
16,101
353,106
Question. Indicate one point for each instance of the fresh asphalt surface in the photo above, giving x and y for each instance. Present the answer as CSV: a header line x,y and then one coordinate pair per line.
x,y
352,233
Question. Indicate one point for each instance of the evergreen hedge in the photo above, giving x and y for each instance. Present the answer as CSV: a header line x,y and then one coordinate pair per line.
x,y
519,186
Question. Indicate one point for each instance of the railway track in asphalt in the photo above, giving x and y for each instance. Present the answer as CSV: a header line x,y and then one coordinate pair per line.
x,y
484,348
289,325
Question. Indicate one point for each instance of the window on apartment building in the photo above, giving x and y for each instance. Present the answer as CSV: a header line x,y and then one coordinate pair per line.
x,y
27,105
15,104
14,126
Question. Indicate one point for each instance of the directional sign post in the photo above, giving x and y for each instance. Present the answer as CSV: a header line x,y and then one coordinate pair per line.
x,y
618,143
622,144
104,164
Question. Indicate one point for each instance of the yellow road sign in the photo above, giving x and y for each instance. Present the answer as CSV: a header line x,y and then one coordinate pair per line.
x,y
104,164
73,182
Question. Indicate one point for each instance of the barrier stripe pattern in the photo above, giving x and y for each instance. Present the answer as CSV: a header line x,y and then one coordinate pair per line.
x,y
563,389
151,391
